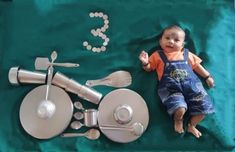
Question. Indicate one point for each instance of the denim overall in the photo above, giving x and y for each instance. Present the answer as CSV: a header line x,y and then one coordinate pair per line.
x,y
180,87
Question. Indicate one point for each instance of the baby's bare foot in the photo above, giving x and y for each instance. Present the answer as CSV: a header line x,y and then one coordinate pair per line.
x,y
179,126
194,131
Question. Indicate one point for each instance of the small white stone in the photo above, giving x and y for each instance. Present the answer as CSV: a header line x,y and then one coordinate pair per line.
x,y
92,31
105,17
96,14
101,14
98,30
104,37
91,14
103,48
98,49
103,29
88,47
106,21
85,43
106,26
100,34
95,33
106,40
105,43
94,49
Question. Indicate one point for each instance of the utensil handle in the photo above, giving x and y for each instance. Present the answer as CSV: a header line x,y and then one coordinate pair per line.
x,y
68,65
127,128
72,134
49,78
92,83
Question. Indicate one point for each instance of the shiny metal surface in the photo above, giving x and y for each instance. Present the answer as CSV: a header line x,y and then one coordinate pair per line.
x,y
92,134
136,128
117,79
47,127
44,63
123,114
78,105
13,75
17,76
73,86
78,115
109,104
76,125
90,117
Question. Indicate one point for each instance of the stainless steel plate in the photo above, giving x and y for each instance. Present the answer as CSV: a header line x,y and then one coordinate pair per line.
x,y
111,102
46,128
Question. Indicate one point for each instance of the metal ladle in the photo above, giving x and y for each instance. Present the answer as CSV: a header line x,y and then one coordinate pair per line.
x,y
136,128
78,105
78,115
76,125
90,134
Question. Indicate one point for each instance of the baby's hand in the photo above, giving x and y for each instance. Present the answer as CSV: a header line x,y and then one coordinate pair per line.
x,y
210,82
144,57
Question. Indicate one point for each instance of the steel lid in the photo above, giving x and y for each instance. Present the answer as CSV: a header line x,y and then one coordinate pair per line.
x,y
13,75
135,111
44,128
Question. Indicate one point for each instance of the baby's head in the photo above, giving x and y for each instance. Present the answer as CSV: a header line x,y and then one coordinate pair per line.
x,y
172,39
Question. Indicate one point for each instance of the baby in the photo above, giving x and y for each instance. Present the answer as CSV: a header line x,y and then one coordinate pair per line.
x,y
179,87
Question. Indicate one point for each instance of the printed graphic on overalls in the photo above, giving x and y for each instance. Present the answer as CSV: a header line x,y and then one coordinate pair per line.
x,y
201,92
179,74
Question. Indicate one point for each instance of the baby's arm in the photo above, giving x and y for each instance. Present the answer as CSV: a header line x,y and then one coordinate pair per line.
x,y
144,58
205,74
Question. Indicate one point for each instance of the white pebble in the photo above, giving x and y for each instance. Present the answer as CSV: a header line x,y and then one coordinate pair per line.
x,y
85,43
88,47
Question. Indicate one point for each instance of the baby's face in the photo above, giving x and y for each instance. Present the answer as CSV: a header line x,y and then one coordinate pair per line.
x,y
172,40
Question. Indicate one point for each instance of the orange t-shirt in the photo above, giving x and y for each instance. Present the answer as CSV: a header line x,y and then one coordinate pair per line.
x,y
157,64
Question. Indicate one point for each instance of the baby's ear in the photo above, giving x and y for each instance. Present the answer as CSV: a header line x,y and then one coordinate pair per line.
x,y
184,43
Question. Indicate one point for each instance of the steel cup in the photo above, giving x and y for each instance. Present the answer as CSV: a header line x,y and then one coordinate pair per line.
x,y
73,86
90,117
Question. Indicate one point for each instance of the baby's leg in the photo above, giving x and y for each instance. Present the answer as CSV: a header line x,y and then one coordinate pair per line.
x,y
178,120
193,123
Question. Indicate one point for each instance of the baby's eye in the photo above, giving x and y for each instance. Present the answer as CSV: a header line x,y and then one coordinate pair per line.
x,y
177,40
167,38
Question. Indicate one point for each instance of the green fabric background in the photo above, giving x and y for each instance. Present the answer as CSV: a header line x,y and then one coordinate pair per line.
x,y
32,28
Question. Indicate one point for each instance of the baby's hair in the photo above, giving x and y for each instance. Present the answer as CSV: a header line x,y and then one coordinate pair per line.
x,y
173,27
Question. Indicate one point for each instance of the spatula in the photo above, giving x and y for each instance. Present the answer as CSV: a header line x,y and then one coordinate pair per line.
x,y
44,63
116,79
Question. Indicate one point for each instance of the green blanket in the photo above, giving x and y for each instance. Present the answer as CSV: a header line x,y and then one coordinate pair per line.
x,y
32,28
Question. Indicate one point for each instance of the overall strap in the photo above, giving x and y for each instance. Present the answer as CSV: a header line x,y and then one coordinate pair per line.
x,y
163,56
185,54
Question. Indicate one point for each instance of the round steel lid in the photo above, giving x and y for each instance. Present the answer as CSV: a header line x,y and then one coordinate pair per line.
x,y
42,128
111,103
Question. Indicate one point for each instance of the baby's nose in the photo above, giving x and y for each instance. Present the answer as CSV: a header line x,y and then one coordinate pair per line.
x,y
171,41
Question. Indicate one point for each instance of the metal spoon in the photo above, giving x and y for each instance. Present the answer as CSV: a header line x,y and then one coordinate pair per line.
x,y
53,56
78,115
136,128
116,79
90,134
76,125
47,108
44,63
78,105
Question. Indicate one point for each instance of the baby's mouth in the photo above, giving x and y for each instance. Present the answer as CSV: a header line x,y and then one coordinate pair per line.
x,y
168,46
